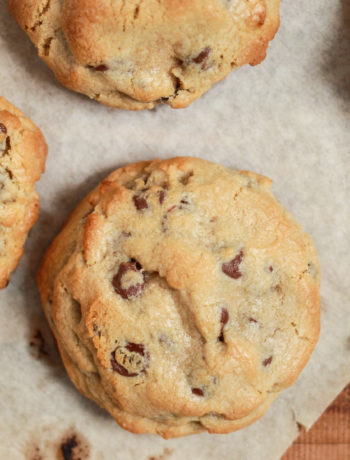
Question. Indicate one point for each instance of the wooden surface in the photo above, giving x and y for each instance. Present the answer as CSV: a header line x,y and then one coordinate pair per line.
x,y
329,438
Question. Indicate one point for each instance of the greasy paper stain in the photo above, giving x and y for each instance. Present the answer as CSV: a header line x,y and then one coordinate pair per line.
x,y
42,346
38,345
163,456
73,447
70,445
33,453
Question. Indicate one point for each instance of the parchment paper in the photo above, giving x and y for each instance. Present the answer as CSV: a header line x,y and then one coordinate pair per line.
x,y
288,119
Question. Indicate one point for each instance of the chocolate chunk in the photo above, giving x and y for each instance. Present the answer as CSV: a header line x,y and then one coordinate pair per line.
x,y
140,202
99,68
231,268
267,361
197,391
161,196
223,321
130,360
3,128
129,288
202,56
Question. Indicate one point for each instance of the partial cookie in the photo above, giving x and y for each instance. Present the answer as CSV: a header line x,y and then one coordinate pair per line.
x,y
183,297
22,159
135,55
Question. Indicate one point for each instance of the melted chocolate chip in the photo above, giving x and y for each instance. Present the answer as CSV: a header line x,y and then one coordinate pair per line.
x,y
271,268
131,290
252,320
197,391
99,68
202,56
223,321
231,268
130,360
3,128
267,361
136,348
161,196
140,202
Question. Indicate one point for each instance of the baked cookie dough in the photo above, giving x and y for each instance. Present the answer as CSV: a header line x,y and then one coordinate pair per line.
x,y
183,296
136,54
22,160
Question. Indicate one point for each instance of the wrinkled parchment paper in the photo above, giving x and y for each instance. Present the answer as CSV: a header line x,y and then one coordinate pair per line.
x,y
288,119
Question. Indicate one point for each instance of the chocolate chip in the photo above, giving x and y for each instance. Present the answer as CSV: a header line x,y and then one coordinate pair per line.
x,y
231,268
161,196
130,360
202,56
140,202
223,321
197,391
3,128
134,287
172,208
267,361
99,68
252,320
271,268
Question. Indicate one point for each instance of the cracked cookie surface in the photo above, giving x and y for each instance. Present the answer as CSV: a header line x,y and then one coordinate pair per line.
x,y
137,54
183,296
22,160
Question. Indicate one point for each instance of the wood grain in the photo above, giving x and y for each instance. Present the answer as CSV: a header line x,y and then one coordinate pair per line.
x,y
329,438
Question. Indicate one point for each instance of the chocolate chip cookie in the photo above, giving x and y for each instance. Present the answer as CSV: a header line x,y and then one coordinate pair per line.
x,y
136,54
22,160
183,296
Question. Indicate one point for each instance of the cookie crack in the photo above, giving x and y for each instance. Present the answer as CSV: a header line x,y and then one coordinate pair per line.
x,y
7,149
45,47
41,15
301,337
236,195
137,10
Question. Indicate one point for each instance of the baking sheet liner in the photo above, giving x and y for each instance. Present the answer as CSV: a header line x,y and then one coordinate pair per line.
x,y
287,118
